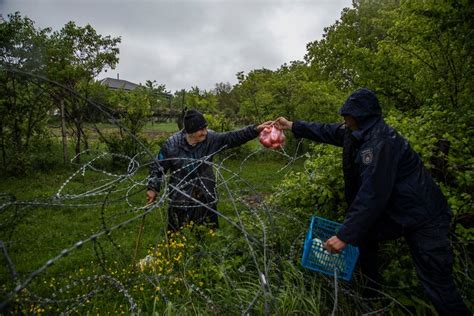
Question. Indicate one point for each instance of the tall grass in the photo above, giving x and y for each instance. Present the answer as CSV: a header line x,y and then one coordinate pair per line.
x,y
199,271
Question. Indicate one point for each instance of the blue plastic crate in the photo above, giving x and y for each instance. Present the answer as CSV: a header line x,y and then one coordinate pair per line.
x,y
316,258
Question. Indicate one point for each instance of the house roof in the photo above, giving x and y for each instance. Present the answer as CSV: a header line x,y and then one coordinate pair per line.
x,y
119,84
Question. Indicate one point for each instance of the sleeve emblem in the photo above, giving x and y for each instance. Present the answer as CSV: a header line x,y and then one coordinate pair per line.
x,y
367,156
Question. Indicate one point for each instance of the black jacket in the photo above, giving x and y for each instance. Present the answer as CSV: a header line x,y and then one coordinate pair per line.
x,y
390,177
190,167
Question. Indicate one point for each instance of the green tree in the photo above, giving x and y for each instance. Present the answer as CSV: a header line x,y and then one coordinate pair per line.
x,y
24,102
202,100
287,91
133,108
227,99
412,52
160,99
432,42
417,56
346,55
254,97
76,56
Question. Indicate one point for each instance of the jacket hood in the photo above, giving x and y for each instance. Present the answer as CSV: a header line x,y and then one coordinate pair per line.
x,y
361,104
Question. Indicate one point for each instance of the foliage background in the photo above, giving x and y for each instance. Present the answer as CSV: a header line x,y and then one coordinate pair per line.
x,y
416,55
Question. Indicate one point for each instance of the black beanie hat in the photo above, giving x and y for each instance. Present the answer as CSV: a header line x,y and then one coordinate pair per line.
x,y
194,121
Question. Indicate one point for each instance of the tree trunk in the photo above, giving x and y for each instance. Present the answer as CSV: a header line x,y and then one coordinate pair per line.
x,y
4,154
439,162
63,130
78,140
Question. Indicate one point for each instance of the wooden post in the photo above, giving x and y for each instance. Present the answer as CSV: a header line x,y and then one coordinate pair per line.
x,y
63,130
139,240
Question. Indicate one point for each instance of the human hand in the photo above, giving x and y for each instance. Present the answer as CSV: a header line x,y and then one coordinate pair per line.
x,y
283,123
150,196
334,244
262,126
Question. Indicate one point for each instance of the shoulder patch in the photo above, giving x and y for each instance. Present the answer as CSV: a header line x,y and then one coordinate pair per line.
x,y
367,156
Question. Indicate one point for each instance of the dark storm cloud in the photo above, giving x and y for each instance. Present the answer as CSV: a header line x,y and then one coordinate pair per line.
x,y
192,43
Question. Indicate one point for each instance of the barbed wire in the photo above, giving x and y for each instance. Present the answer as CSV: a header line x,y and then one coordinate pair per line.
x,y
255,224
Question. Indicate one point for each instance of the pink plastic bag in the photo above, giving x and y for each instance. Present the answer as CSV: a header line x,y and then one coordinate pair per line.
x,y
272,137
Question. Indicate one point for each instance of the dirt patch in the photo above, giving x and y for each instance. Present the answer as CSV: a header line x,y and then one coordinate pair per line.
x,y
256,199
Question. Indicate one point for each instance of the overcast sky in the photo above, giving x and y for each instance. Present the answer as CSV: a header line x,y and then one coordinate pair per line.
x,y
193,42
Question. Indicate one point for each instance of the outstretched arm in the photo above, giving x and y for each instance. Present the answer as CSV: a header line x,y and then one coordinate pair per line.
x,y
332,134
237,137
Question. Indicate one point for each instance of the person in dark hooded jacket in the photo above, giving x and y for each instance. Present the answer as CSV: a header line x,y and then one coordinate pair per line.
x,y
390,194
188,156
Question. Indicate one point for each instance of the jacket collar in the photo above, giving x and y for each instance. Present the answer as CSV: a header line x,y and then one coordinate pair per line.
x,y
365,125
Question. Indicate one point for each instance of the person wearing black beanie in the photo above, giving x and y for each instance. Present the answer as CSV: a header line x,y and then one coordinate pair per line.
x,y
187,156
194,121
390,194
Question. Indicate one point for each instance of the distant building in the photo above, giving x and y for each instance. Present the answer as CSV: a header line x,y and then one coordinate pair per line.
x,y
117,84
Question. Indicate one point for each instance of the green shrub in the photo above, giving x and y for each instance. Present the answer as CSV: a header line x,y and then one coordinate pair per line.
x,y
121,146
317,189
219,122
41,155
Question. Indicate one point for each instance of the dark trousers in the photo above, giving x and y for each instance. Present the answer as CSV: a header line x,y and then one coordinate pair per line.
x,y
432,257
181,216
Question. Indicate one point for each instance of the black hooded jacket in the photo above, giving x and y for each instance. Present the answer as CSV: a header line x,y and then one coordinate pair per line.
x,y
191,170
387,178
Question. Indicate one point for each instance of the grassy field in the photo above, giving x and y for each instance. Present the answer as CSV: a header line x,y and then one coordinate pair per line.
x,y
79,239
56,212
150,129
169,127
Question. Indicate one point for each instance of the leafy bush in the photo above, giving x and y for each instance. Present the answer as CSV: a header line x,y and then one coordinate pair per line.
x,y
319,189
42,155
120,146
432,124
219,122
